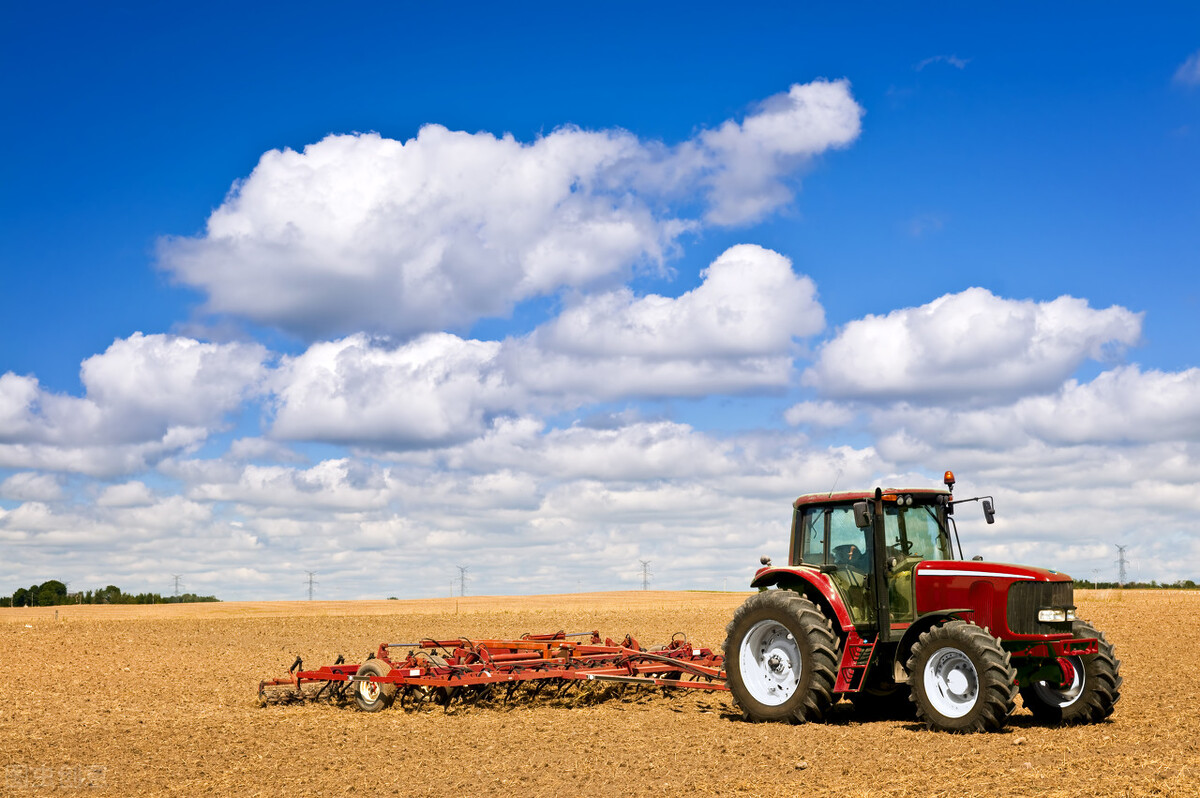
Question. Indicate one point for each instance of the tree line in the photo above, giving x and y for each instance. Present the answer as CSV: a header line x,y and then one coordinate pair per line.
x,y
53,593
1182,584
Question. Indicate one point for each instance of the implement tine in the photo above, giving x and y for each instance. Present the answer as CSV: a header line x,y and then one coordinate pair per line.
x,y
468,672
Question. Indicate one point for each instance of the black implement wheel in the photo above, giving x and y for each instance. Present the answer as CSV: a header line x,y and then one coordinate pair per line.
x,y
372,696
1090,688
781,658
961,679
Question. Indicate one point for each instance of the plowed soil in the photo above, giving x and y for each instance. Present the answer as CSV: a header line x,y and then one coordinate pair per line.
x,y
161,700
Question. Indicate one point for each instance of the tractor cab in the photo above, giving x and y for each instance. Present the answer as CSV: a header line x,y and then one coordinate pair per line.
x,y
837,533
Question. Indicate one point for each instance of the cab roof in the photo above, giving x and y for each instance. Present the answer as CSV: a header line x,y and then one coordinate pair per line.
x,y
861,495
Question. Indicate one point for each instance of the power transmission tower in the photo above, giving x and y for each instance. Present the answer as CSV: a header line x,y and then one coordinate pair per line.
x,y
462,580
176,578
645,574
311,583
1121,562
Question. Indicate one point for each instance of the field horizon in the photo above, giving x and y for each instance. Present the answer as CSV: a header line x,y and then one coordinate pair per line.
x,y
162,700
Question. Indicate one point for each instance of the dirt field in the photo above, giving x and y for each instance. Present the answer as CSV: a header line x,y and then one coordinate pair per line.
x,y
160,700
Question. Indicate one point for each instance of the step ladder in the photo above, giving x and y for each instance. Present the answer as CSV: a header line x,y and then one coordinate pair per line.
x,y
856,658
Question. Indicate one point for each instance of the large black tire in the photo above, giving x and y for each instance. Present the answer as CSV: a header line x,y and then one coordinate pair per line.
x,y
1091,692
781,658
961,679
371,696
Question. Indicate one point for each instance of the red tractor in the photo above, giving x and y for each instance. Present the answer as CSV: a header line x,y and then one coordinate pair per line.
x,y
874,606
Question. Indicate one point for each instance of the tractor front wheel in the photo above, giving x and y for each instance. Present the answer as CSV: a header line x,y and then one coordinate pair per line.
x,y
961,679
780,658
373,696
1090,688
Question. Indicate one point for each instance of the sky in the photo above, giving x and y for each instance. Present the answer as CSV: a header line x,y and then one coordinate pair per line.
x,y
384,292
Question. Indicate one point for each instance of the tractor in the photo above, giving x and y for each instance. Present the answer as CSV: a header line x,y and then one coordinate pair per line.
x,y
873,606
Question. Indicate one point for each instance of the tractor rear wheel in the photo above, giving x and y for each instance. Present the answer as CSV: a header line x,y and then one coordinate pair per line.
x,y
781,658
1090,688
961,679
373,696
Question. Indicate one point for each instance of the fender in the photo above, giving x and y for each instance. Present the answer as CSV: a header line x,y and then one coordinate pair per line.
x,y
815,586
917,628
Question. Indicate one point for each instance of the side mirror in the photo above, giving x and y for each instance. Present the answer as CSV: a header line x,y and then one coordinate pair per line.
x,y
989,512
862,515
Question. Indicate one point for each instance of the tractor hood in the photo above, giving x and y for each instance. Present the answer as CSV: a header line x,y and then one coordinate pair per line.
x,y
977,569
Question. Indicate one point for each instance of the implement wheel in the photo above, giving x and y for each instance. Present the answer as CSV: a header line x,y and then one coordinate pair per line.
x,y
372,696
780,658
961,680
1090,688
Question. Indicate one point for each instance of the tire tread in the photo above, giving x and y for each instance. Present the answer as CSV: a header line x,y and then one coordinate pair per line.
x,y
819,697
997,677
1102,686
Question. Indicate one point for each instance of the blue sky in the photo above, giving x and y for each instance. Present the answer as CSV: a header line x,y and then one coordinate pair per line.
x,y
995,159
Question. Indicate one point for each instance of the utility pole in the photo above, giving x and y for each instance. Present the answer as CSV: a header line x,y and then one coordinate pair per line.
x,y
1121,562
462,580
645,574
1095,578
311,583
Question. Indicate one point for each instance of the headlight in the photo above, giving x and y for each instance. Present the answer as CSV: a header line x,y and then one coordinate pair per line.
x,y
1052,616
1071,614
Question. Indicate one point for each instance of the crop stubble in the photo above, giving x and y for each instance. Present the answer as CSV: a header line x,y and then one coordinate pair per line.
x,y
162,698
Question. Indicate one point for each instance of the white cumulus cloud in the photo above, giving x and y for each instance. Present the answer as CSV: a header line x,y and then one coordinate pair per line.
x,y
750,303
971,346
365,233
436,389
29,486
734,333
820,414
145,396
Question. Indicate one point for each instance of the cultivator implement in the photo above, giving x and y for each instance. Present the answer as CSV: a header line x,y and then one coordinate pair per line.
x,y
443,672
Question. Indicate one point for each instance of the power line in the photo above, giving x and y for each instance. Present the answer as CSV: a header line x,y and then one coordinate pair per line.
x,y
311,583
645,574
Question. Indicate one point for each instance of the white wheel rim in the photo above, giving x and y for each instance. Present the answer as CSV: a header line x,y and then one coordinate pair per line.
x,y
770,663
951,682
1067,695
369,691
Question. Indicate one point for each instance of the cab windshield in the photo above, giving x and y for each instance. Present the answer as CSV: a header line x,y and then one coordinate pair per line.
x,y
915,533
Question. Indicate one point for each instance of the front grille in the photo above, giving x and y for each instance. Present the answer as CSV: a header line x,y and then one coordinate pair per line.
x,y
1026,598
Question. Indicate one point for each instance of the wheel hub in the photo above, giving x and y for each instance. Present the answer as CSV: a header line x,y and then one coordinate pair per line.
x,y
770,662
951,682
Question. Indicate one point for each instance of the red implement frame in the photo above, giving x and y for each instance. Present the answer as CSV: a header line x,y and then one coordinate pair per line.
x,y
448,665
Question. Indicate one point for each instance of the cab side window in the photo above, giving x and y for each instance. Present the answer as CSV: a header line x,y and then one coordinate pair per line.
x,y
812,536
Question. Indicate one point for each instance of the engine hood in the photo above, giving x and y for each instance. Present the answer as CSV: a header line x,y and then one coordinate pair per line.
x,y
976,569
